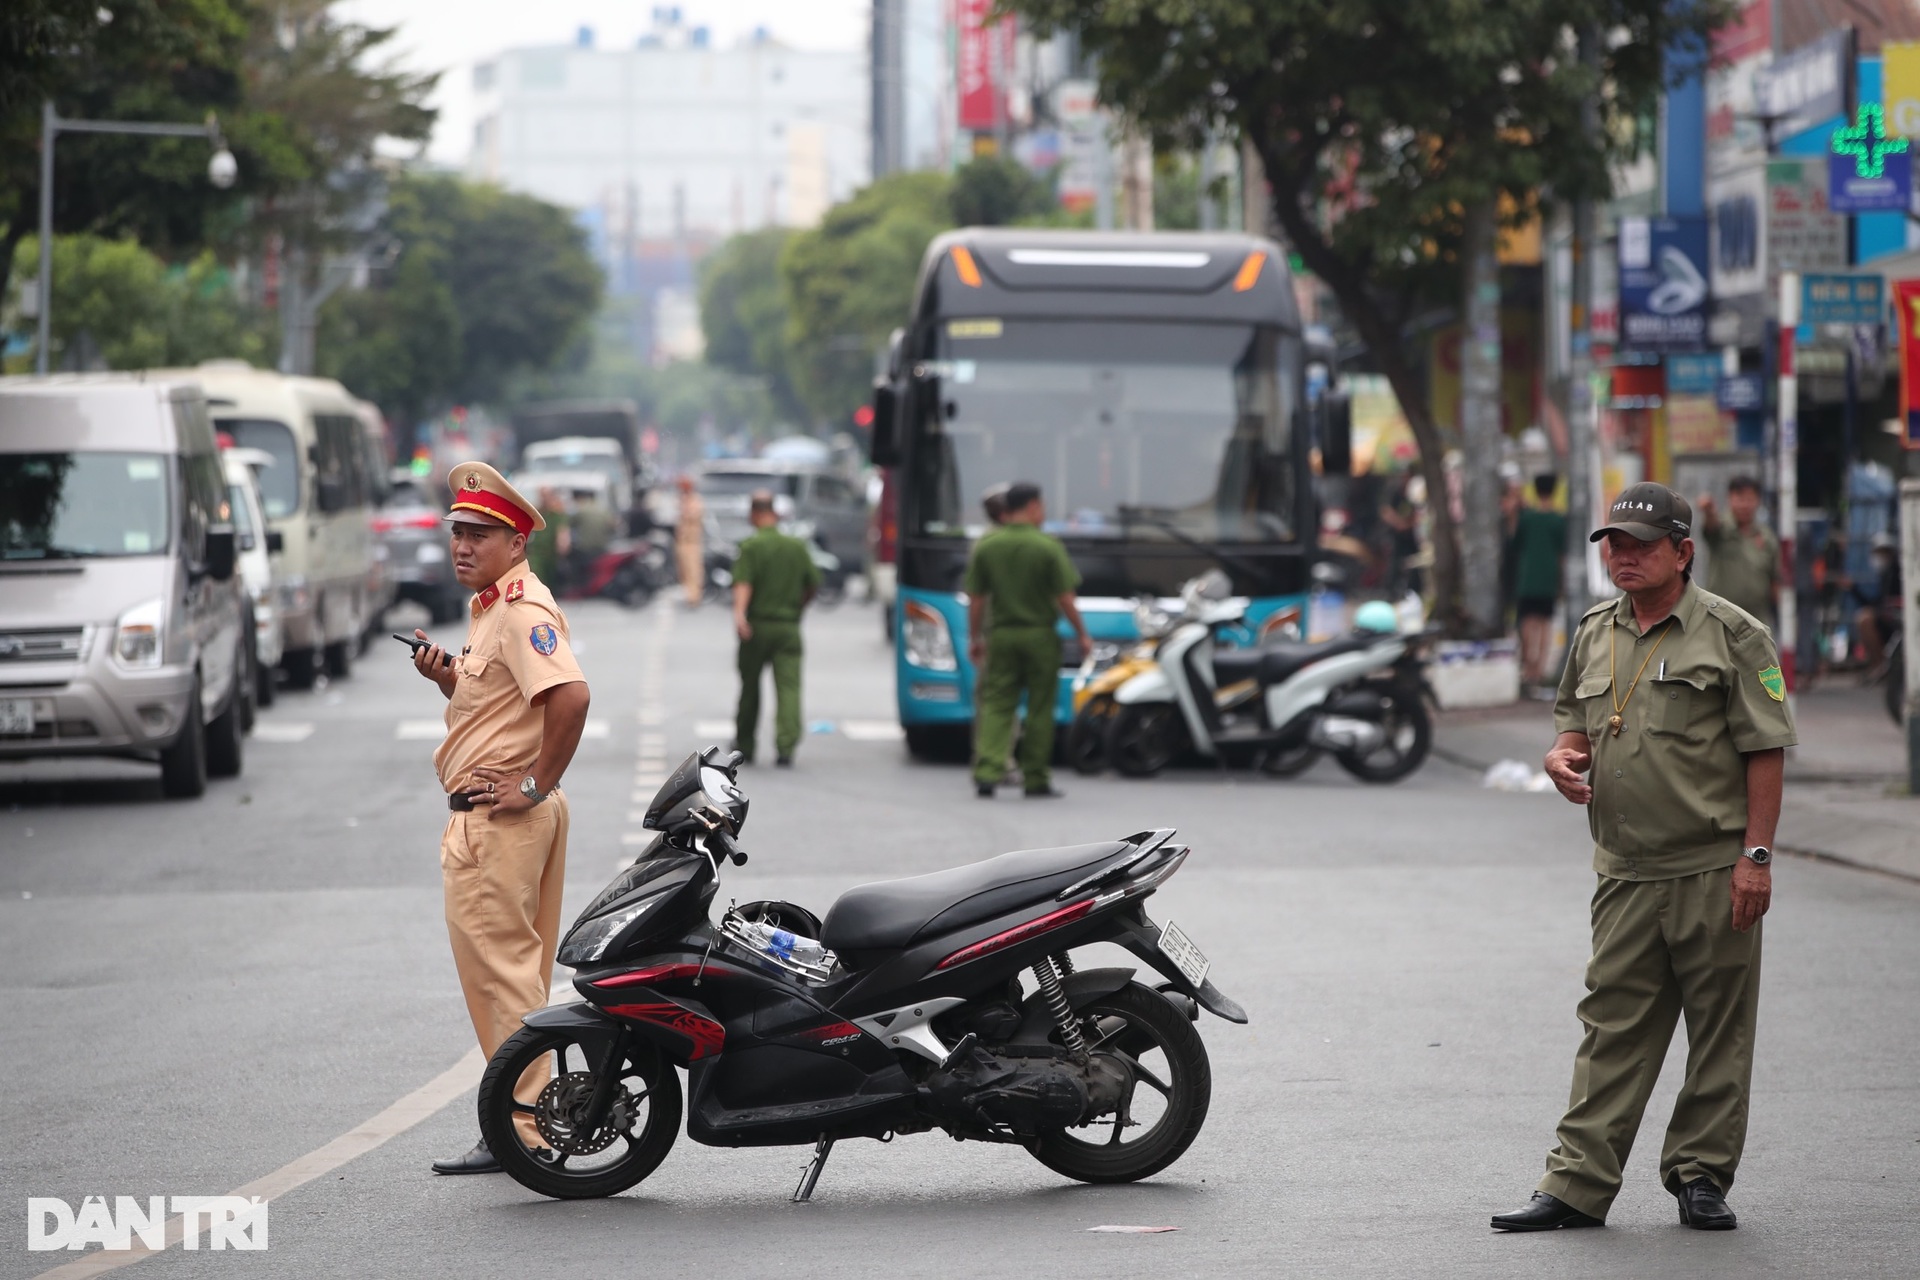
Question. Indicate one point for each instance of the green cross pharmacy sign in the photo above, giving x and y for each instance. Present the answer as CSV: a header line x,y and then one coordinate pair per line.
x,y
1867,171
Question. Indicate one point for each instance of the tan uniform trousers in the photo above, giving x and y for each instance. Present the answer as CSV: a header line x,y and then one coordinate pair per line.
x,y
503,880
1660,948
693,567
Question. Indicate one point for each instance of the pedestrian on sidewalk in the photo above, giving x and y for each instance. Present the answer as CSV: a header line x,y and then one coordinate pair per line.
x,y
1019,583
1743,558
774,579
1539,546
516,706
689,543
1673,699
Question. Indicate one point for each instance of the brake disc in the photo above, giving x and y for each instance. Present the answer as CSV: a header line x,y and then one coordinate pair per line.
x,y
563,1103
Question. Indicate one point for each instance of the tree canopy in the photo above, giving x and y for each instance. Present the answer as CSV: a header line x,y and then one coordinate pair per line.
x,y
743,314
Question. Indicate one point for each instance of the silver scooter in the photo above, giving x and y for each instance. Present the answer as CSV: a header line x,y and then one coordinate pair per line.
x,y
1361,698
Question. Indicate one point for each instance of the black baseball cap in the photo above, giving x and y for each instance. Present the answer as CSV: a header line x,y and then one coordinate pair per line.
x,y
1647,511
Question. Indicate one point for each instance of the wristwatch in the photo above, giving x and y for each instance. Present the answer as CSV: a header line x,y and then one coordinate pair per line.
x,y
1760,854
532,791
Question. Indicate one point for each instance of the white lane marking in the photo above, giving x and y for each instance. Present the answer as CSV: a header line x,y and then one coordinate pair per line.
x,y
435,730
409,1111
596,729
282,731
713,728
872,730
636,837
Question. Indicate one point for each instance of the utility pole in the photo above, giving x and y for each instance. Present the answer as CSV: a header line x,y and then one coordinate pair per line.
x,y
1480,369
1583,472
1786,630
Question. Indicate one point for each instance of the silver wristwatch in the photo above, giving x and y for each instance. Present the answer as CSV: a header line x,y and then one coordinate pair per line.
x,y
1760,855
531,791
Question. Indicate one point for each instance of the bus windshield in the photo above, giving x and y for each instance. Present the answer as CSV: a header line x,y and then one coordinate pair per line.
x,y
1135,431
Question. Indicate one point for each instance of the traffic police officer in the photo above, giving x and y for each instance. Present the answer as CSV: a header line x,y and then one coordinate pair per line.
x,y
1674,699
774,579
516,705
1019,582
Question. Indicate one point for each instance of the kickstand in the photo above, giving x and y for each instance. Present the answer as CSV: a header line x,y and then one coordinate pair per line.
x,y
804,1192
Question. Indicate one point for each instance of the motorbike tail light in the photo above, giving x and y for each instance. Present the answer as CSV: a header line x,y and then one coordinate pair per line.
x,y
652,974
1018,934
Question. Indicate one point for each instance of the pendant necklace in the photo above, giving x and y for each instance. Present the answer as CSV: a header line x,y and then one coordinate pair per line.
x,y
1618,722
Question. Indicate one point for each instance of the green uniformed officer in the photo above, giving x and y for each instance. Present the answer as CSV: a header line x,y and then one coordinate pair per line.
x,y
1673,698
774,579
1744,556
1019,583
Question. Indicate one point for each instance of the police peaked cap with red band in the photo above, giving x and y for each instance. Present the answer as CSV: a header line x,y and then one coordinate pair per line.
x,y
482,495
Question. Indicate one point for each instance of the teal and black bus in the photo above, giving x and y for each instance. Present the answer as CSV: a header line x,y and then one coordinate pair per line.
x,y
1153,385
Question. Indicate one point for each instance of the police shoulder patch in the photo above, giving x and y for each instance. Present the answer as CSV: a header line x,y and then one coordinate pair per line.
x,y
516,589
544,638
1774,683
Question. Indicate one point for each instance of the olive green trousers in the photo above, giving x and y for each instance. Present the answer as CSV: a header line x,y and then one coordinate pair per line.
x,y
1020,660
775,644
1661,948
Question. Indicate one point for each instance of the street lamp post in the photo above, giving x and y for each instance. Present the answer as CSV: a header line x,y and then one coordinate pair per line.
x,y
221,171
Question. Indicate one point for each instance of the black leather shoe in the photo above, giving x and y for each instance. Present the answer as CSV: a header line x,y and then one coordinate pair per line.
x,y
1044,793
478,1160
1543,1213
984,790
1703,1208
784,762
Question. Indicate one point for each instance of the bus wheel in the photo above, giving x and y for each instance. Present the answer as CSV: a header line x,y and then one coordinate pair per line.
x,y
942,743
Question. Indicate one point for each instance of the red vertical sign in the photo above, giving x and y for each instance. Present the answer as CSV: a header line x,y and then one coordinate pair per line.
x,y
985,58
1906,312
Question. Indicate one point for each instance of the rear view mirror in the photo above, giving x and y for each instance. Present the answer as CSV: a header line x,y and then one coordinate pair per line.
x,y
1336,434
884,451
220,552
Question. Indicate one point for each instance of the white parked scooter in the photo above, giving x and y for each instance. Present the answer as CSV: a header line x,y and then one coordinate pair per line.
x,y
1361,697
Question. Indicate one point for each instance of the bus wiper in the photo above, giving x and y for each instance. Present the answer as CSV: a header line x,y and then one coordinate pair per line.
x,y
1225,559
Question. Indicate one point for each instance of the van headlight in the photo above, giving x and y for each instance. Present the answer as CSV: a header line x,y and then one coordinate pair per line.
x,y
928,640
138,635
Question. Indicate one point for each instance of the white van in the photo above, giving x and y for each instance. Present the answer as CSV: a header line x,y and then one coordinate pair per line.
x,y
319,499
124,629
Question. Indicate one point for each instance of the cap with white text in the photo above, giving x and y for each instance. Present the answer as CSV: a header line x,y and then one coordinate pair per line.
x,y
1647,511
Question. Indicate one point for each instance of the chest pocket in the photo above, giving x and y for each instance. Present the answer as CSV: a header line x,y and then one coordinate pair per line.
x,y
1683,703
1594,705
468,689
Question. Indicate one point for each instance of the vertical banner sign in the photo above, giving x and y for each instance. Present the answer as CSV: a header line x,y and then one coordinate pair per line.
x,y
1663,283
983,68
1906,313
1900,88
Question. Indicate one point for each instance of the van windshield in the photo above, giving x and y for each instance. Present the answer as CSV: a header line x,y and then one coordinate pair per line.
x,y
65,506
279,483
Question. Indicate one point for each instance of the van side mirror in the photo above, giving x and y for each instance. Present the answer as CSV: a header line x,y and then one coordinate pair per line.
x,y
884,451
276,541
221,553
1336,434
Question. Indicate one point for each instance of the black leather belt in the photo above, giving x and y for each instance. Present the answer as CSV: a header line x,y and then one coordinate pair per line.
x,y
459,803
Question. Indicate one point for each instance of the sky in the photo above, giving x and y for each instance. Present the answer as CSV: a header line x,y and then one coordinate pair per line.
x,y
451,35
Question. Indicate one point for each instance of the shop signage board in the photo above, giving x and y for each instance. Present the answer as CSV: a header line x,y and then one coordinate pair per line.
x,y
1842,299
1900,87
1663,283
1867,171
1806,87
1741,393
1906,310
984,65
1802,233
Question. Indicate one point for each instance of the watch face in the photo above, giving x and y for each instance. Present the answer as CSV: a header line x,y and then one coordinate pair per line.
x,y
1761,857
527,787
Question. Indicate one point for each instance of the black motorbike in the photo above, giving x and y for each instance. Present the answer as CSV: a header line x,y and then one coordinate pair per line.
x,y
902,1012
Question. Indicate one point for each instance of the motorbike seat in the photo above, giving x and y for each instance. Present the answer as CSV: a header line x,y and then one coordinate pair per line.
x,y
1276,662
893,914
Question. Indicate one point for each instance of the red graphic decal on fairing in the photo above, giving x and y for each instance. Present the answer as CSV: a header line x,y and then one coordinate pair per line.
x,y
706,1035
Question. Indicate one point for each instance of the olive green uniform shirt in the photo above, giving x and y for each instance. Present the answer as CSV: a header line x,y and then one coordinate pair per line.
x,y
781,572
1670,791
1743,566
1021,573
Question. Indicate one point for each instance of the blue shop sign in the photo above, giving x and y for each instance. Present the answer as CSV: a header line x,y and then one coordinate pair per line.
x,y
1867,171
1692,375
1741,393
1842,299
1663,284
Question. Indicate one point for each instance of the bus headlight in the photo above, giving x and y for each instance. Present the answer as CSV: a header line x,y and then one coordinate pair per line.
x,y
928,639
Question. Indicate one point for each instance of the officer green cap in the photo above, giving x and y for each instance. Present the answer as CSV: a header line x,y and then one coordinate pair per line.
x,y
1647,511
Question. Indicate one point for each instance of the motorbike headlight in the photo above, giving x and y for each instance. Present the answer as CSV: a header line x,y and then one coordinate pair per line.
x,y
929,642
138,635
590,940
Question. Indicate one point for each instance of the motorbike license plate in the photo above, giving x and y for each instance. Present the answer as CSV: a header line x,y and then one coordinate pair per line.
x,y
1186,957
16,717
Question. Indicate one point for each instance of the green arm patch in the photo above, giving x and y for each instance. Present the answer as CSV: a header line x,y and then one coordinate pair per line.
x,y
1774,683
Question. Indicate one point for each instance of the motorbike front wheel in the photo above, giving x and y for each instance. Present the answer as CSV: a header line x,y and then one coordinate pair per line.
x,y
562,1159
1143,739
1408,736
1163,1112
1087,735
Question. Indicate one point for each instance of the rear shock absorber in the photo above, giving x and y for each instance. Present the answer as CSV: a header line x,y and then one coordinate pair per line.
x,y
1056,998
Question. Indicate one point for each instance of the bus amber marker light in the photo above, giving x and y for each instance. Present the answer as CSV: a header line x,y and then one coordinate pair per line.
x,y
965,267
1249,271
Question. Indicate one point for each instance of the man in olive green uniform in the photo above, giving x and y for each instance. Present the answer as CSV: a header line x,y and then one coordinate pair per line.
x,y
1673,698
1019,583
774,578
1743,562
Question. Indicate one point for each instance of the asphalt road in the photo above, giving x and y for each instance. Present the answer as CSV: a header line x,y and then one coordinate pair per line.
x,y
197,994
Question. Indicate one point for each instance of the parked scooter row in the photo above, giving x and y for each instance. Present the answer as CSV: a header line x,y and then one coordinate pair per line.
x,y
1282,704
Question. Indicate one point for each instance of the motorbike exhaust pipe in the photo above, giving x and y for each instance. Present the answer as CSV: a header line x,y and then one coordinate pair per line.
x,y
1346,733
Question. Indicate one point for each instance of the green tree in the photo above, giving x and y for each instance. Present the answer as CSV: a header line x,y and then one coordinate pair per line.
x,y
849,283
743,314
1383,125
995,191
486,285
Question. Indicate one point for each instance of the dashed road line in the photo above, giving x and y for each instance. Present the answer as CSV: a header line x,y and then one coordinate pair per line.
x,y
282,731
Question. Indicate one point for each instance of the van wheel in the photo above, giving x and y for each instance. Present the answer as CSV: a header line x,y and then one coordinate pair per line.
x,y
264,689
301,668
225,738
245,689
339,660
183,764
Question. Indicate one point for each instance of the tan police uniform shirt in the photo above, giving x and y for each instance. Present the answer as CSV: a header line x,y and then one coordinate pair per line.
x,y
1670,791
516,650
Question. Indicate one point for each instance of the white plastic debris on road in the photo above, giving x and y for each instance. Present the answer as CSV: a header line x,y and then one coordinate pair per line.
x,y
1513,775
1134,1231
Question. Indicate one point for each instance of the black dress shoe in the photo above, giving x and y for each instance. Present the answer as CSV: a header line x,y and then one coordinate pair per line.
x,y
784,762
1703,1208
478,1160
1543,1213
1044,793
984,790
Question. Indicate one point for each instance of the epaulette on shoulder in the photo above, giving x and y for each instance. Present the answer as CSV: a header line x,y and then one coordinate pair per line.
x,y
1604,606
1738,622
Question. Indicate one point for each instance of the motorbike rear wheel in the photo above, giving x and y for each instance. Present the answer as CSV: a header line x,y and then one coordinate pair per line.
x,y
1143,739
1409,736
638,1132
1087,735
1166,1055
